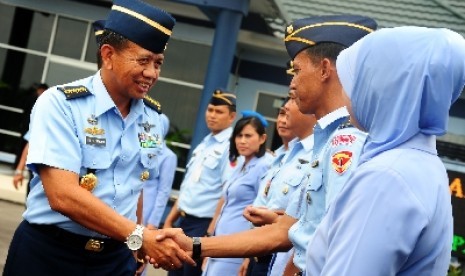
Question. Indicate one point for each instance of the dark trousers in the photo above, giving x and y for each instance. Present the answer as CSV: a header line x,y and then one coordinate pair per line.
x,y
192,227
259,266
34,251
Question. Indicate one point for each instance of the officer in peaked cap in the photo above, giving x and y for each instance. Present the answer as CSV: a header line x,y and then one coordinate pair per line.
x,y
208,169
81,211
314,44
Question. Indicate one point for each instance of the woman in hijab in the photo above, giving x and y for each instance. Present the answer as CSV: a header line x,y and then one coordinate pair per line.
x,y
393,216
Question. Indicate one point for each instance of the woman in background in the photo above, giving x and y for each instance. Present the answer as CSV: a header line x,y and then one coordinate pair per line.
x,y
247,142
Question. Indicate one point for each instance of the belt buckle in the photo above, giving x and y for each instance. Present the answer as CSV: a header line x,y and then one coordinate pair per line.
x,y
183,214
94,245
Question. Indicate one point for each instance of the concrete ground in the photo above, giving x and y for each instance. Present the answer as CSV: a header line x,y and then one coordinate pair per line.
x,y
11,208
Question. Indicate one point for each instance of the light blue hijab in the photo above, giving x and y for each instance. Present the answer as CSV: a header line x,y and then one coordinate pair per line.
x,y
401,82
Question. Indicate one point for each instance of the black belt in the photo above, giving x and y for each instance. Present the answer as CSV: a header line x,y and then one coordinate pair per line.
x,y
76,240
263,259
186,215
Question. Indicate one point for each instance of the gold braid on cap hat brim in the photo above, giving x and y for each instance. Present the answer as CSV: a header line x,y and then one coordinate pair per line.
x,y
291,37
142,18
99,32
224,96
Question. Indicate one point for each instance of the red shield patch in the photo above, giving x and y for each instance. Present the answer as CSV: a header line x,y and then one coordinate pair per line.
x,y
341,161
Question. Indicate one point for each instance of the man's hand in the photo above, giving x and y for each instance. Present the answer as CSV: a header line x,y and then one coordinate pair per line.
x,y
18,180
178,236
260,216
165,253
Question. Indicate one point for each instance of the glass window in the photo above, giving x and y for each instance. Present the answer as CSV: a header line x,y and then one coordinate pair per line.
x,y
186,61
32,70
91,51
2,62
60,74
41,30
6,19
182,113
69,39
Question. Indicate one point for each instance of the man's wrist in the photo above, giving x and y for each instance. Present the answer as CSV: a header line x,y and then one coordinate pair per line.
x,y
196,248
18,172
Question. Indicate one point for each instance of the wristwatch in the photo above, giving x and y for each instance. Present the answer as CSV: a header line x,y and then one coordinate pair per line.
x,y
196,248
134,240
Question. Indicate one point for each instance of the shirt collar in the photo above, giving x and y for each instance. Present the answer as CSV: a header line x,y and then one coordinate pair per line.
x,y
223,135
104,102
307,142
334,115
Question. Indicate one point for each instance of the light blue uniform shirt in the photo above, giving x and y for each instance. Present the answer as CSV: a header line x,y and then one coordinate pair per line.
x,y
291,174
157,191
285,183
335,154
239,192
206,173
417,222
62,131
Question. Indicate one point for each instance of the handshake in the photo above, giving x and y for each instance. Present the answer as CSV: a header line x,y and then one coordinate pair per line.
x,y
167,248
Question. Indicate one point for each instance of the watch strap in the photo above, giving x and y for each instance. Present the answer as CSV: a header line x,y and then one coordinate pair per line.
x,y
196,248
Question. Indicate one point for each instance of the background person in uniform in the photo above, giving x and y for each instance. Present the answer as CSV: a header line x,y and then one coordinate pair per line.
x,y
19,171
394,216
256,265
288,178
248,141
206,172
93,147
314,44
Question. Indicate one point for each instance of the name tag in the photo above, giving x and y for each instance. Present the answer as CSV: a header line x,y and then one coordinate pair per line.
x,y
94,141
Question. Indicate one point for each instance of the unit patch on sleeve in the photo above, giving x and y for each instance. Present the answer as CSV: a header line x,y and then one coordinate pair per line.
x,y
341,161
72,92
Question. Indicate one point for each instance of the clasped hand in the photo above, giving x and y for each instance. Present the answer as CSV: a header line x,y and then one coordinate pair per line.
x,y
167,248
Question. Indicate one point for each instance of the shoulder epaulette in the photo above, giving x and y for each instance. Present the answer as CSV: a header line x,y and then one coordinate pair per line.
x,y
152,103
346,125
72,92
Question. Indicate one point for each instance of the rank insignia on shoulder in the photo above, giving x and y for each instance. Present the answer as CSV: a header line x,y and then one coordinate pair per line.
x,y
72,92
341,161
152,103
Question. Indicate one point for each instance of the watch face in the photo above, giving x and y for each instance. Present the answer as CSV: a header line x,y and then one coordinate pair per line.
x,y
134,242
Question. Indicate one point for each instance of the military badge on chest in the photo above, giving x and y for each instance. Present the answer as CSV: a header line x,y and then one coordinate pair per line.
x,y
146,138
94,133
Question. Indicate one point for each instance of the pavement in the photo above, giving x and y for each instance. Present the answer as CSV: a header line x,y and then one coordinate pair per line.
x,y
11,209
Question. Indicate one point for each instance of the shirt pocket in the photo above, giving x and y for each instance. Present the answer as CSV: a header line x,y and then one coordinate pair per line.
x,y
211,160
149,157
95,158
315,197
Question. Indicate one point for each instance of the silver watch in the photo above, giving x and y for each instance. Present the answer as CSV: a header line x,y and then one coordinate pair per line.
x,y
134,240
